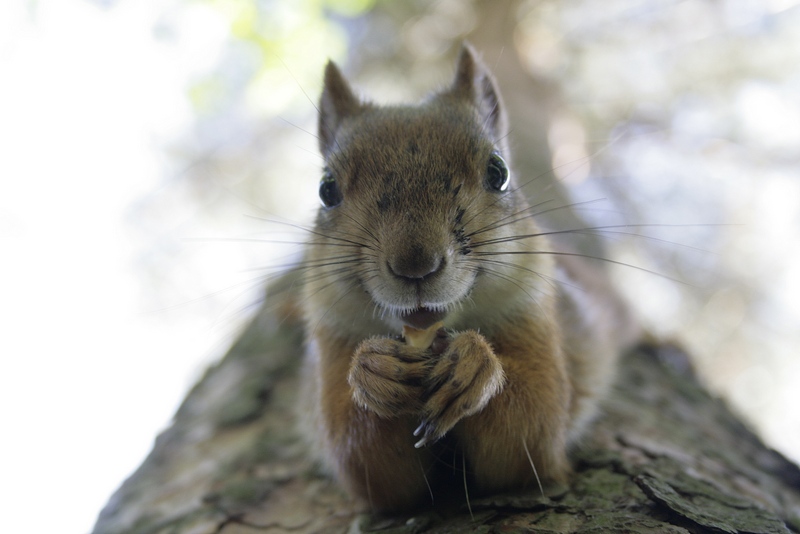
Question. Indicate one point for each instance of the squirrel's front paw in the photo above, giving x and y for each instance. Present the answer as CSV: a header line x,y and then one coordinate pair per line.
x,y
387,376
461,382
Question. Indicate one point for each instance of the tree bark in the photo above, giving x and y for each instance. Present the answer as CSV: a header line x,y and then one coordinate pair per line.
x,y
664,457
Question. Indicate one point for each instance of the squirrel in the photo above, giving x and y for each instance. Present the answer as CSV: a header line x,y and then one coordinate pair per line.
x,y
422,221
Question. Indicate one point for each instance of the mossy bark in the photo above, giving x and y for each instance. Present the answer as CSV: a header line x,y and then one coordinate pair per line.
x,y
665,457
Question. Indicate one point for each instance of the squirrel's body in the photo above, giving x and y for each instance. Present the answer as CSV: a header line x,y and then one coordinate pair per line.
x,y
420,224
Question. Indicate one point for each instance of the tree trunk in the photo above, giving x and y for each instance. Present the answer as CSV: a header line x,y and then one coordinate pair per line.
x,y
664,457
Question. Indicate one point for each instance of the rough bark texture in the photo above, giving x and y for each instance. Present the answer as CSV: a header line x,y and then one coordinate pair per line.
x,y
665,457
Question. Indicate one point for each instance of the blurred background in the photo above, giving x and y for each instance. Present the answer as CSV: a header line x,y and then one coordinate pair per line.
x,y
149,150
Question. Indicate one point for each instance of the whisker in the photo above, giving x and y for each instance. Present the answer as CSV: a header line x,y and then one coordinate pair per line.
x,y
314,264
552,170
552,280
320,116
312,277
353,284
250,282
509,193
270,241
511,280
290,123
535,473
466,490
496,225
588,256
369,487
598,230
310,230
602,232
314,153
425,477
366,230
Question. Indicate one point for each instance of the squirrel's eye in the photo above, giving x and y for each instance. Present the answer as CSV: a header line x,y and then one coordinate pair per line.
x,y
497,173
329,193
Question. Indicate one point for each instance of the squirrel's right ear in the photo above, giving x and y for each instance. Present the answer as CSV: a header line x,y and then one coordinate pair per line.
x,y
336,104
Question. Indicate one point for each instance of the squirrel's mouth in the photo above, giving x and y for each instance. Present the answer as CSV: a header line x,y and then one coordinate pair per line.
x,y
422,317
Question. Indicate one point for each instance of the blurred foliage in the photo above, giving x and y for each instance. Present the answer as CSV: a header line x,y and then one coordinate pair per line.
x,y
265,36
684,116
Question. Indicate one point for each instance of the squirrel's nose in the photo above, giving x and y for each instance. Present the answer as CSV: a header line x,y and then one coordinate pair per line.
x,y
415,264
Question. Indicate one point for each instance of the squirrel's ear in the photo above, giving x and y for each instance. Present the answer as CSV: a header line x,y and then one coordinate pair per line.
x,y
336,104
474,82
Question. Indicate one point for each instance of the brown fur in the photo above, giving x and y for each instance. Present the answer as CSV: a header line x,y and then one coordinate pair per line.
x,y
527,354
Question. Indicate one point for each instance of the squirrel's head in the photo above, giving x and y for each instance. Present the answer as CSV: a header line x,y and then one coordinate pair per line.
x,y
416,200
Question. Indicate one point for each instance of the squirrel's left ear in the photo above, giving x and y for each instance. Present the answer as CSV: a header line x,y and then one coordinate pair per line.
x,y
474,82
337,103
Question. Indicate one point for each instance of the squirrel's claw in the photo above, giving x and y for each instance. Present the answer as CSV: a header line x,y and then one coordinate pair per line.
x,y
428,431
